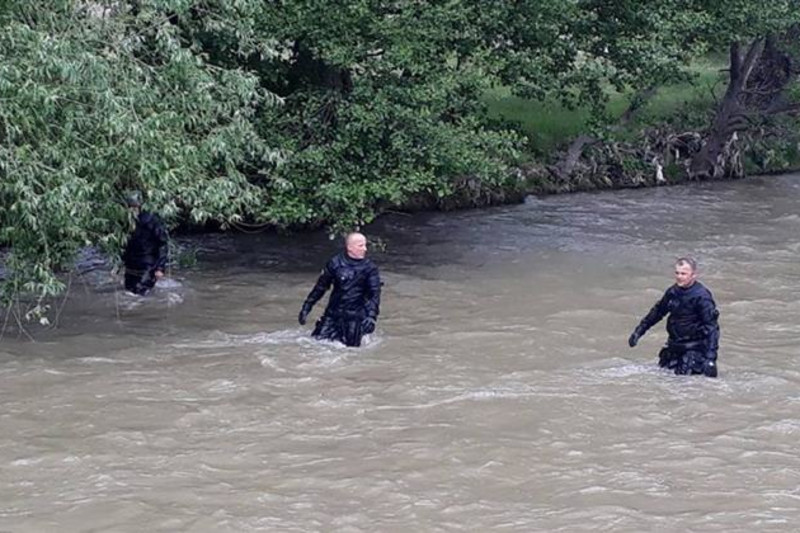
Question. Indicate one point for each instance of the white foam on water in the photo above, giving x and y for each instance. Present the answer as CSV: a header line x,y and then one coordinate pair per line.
x,y
168,283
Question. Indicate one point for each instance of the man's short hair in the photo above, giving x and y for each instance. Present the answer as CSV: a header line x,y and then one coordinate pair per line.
x,y
687,261
133,199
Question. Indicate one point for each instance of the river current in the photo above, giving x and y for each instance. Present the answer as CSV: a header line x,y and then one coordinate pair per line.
x,y
497,394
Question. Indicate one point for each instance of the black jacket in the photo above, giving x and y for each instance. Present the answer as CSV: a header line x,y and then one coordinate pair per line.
x,y
692,317
356,288
147,247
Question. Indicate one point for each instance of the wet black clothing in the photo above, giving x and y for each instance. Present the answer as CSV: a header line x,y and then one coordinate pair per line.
x,y
345,330
692,327
687,359
145,253
354,304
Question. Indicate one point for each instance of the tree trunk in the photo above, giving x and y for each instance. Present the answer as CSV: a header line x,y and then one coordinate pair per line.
x,y
566,166
714,158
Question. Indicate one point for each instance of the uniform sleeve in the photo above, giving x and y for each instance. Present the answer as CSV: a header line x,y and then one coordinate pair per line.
x,y
373,304
323,283
126,253
162,238
657,312
709,324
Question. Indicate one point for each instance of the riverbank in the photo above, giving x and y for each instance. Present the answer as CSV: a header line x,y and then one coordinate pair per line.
x,y
605,166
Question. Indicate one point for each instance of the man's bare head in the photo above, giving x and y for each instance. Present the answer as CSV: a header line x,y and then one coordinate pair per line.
x,y
356,245
685,271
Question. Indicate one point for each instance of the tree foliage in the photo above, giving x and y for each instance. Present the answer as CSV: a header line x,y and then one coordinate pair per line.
x,y
98,99
299,112
760,70
383,102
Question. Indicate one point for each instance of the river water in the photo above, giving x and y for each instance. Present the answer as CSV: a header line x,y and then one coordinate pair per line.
x,y
498,394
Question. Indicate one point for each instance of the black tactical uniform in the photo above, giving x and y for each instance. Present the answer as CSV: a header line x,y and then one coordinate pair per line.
x,y
145,253
354,303
692,328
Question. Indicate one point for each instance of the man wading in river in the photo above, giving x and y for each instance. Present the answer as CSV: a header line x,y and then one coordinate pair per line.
x,y
354,303
692,324
145,255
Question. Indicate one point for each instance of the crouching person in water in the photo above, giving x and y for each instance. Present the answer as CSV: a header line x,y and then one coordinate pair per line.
x,y
692,324
145,254
354,303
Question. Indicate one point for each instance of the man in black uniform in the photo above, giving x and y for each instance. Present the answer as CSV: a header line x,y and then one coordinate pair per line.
x,y
692,324
145,255
355,301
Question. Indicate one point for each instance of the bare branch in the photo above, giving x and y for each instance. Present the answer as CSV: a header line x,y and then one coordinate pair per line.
x,y
786,108
753,54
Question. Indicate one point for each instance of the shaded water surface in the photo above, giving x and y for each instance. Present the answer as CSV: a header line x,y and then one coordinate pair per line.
x,y
498,393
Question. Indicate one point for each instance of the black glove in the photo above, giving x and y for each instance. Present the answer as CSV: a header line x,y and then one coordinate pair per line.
x,y
304,311
368,325
633,340
710,368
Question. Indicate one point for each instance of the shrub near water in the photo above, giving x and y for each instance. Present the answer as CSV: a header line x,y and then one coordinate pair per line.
x,y
95,103
382,106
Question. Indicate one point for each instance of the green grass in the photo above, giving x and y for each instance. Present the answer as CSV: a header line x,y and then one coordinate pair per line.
x,y
707,84
548,124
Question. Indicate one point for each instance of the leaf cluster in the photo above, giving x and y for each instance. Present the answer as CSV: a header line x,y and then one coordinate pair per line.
x,y
299,112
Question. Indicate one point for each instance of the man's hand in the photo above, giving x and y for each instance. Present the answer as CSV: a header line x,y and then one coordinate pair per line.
x,y
710,368
303,316
368,325
633,340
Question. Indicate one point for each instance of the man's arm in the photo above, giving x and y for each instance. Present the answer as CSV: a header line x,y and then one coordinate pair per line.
x,y
657,312
373,303
323,283
709,325
162,237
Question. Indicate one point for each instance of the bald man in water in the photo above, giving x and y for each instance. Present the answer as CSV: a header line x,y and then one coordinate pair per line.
x,y
354,304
